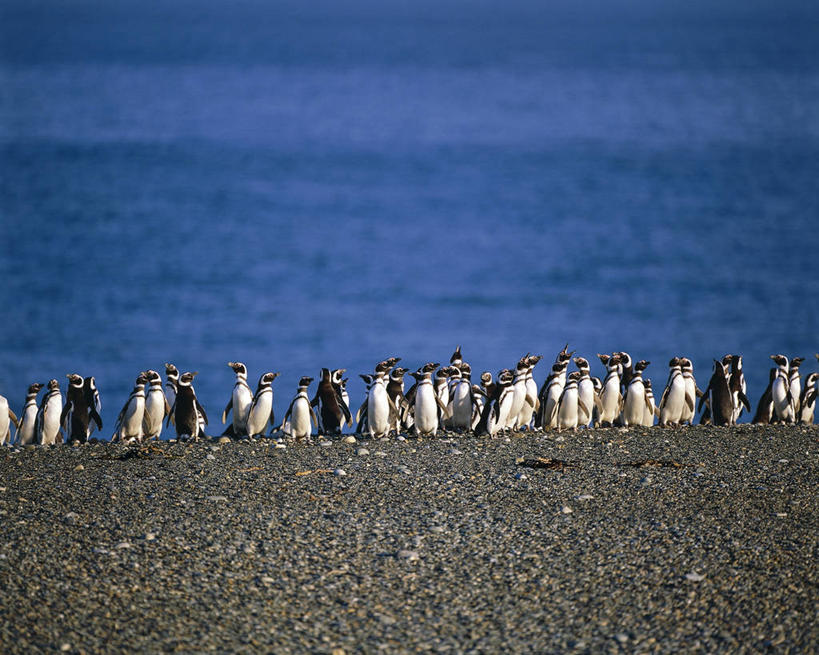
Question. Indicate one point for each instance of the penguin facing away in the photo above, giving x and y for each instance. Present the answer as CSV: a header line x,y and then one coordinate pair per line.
x,y
719,397
186,413
26,428
92,400
75,416
764,408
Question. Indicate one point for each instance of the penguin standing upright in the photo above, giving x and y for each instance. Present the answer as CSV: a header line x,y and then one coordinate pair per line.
x,y
674,398
496,409
48,416
531,405
783,402
462,399
340,383
171,386
719,397
691,391
611,399
380,411
428,407
764,408
75,416
300,412
807,402
585,392
129,421
636,402
795,382
156,406
395,390
651,408
332,409
240,399
569,404
187,414
519,387
7,418
550,392
261,411
92,400
736,383
27,426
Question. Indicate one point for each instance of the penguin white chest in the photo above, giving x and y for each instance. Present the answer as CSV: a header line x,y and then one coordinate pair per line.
x,y
51,419
300,418
567,412
5,421
259,413
25,433
635,403
242,400
426,410
378,410
132,420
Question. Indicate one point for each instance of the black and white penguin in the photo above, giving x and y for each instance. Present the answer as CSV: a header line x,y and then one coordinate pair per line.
x,y
381,414
764,408
186,413
651,408
156,406
692,392
92,399
75,416
48,416
783,401
585,392
27,426
636,403
395,390
129,422
7,419
361,414
807,403
240,399
569,404
795,382
333,411
531,404
171,386
674,399
456,358
611,398
300,413
340,383
626,371
736,383
461,406
261,410
427,408
496,409
550,392
719,397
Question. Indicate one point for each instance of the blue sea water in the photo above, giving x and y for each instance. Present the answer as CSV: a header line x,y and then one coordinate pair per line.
x,y
298,185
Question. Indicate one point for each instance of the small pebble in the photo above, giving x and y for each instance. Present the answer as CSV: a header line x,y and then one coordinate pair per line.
x,y
217,498
521,476
566,509
71,518
339,472
362,452
79,467
349,439
123,544
325,444
408,555
211,456
224,440
621,637
694,577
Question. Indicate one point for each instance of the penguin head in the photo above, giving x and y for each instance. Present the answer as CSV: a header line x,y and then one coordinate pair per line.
x,y
53,384
647,384
420,374
74,379
141,379
171,370
429,367
305,381
796,362
398,373
35,388
466,370
456,356
238,368
726,360
574,376
532,360
686,365
625,358
486,377
326,375
604,359
780,360
642,365
267,378
674,362
564,355
719,367
152,376
187,378
367,377
337,373
582,363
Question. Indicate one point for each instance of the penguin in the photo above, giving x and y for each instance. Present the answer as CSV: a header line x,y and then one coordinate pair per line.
x,y
171,386
764,408
719,397
75,417
795,382
427,407
156,406
26,427
519,388
340,384
380,411
626,371
611,399
502,403
550,392
92,399
482,393
186,413
260,412
784,404
395,390
674,400
598,387
569,405
736,383
300,413
651,408
462,399
441,384
531,405
7,418
332,410
240,399
361,414
692,392
129,422
807,403
585,392
636,403
48,416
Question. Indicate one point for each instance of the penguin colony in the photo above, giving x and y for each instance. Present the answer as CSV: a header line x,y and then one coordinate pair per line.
x,y
440,398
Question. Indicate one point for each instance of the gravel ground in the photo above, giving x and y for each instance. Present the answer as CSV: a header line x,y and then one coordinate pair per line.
x,y
700,539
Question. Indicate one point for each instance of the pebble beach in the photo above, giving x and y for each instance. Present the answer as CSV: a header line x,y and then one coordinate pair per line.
x,y
700,539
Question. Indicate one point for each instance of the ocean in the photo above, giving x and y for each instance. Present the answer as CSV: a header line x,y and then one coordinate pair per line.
x,y
299,185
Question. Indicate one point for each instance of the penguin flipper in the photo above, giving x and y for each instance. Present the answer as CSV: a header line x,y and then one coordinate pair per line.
x,y
648,403
315,418
14,419
228,407
703,397
531,401
344,410
171,418
744,400
582,406
63,414
95,417
201,411
689,403
358,414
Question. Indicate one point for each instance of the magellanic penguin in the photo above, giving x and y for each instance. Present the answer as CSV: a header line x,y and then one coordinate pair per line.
x,y
549,396
240,399
611,399
764,408
651,408
674,399
441,384
171,386
520,393
48,416
598,388
300,413
807,403
585,392
736,383
531,404
261,412
496,409
427,408
75,416
92,399
27,426
129,422
795,382
340,383
332,410
636,402
456,358
626,371
462,399
719,397
692,392
482,394
7,419
784,404
569,407
156,406
361,414
395,390
186,413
